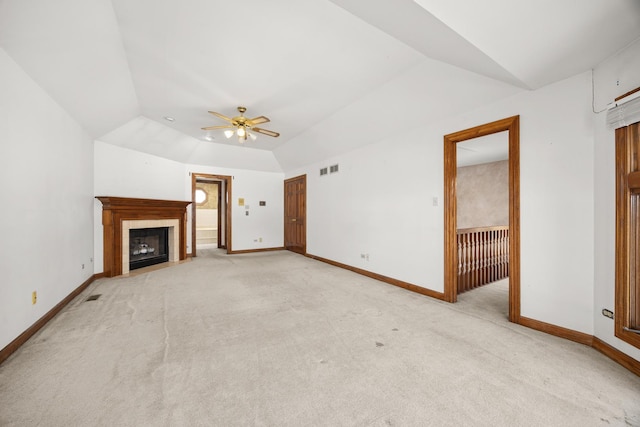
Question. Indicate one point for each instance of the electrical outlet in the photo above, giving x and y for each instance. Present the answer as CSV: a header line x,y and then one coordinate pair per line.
x,y
607,313
34,297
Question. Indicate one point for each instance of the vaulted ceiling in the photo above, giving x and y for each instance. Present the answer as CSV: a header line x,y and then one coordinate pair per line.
x,y
331,75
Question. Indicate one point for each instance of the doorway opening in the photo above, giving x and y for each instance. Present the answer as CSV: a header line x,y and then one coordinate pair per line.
x,y
452,258
210,212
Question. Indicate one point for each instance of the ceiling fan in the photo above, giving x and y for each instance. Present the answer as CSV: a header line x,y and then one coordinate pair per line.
x,y
241,125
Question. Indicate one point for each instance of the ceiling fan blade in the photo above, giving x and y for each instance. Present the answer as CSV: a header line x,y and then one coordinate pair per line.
x,y
218,127
222,116
266,132
258,120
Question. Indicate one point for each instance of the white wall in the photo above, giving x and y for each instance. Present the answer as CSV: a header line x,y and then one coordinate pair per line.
x,y
380,202
264,222
120,172
614,77
46,170
126,173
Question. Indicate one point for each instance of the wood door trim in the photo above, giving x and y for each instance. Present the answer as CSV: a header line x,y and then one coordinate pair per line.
x,y
512,125
626,270
227,180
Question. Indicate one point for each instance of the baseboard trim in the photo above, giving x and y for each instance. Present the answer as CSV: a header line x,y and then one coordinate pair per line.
x,y
250,251
24,337
617,356
614,354
557,331
395,282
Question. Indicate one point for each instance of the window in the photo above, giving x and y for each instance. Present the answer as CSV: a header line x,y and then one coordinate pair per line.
x,y
201,196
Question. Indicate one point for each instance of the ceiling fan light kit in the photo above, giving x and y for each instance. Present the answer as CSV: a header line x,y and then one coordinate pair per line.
x,y
241,125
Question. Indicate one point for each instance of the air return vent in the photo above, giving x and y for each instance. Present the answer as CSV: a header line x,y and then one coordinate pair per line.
x,y
323,171
333,168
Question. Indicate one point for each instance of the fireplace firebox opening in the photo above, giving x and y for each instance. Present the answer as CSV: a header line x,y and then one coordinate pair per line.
x,y
148,246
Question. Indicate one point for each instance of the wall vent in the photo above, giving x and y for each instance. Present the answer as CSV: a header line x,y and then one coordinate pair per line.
x,y
323,171
333,169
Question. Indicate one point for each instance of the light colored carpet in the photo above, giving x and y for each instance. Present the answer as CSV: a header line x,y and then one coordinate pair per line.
x,y
277,339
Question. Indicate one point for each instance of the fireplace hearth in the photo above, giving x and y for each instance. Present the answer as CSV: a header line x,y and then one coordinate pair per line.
x,y
148,246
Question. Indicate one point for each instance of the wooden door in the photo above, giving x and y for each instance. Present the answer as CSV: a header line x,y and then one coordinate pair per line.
x,y
295,214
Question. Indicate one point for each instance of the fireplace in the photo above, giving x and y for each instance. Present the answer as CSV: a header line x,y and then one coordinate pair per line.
x,y
120,215
148,246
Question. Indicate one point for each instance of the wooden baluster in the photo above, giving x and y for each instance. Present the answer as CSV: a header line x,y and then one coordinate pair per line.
x,y
493,271
502,254
496,255
487,241
507,254
467,259
476,256
485,257
481,259
460,260
505,242
499,260
480,235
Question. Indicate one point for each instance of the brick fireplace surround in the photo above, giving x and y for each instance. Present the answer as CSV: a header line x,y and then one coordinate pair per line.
x,y
120,214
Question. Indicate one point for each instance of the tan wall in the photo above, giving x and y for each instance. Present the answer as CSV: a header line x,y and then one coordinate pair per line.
x,y
483,195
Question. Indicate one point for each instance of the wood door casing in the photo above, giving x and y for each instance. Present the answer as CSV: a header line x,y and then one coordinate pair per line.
x,y
295,214
225,193
627,289
512,126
